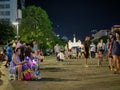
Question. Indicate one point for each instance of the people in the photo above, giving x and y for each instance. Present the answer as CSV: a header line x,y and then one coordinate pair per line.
x,y
28,51
92,50
60,56
86,50
16,65
66,51
82,50
57,49
101,46
100,50
107,48
9,55
18,44
115,46
22,48
110,57
100,58
35,47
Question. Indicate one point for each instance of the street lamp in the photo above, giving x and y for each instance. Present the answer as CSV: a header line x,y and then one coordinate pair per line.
x,y
17,28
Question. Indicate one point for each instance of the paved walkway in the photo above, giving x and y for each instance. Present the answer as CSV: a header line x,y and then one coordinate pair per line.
x,y
68,75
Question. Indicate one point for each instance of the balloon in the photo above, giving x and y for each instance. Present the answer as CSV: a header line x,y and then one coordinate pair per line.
x,y
25,66
27,58
29,66
37,73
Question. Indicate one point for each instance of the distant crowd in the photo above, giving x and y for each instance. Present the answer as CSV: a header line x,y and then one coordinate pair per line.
x,y
18,54
110,51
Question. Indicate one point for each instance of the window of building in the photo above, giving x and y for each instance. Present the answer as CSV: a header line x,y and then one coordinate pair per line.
x,y
7,13
4,13
1,6
4,6
7,6
4,0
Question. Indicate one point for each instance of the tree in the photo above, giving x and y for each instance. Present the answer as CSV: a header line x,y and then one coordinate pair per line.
x,y
6,32
35,25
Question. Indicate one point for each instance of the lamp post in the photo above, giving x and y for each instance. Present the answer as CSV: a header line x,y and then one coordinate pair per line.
x,y
17,28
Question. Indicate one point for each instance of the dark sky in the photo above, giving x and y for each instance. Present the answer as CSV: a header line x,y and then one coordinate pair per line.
x,y
80,16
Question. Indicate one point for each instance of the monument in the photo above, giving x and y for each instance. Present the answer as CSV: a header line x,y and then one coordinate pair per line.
x,y
74,43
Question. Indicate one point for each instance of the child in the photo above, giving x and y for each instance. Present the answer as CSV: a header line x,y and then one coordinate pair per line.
x,y
100,56
60,56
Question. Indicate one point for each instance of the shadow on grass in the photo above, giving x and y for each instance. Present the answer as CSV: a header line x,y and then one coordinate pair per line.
x,y
52,69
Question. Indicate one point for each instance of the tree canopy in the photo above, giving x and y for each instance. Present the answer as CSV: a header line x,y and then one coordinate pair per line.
x,y
6,32
36,25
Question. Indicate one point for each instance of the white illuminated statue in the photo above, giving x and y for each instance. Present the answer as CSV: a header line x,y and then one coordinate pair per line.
x,y
74,43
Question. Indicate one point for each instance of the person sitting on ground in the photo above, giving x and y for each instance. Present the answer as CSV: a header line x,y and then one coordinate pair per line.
x,y
16,65
61,56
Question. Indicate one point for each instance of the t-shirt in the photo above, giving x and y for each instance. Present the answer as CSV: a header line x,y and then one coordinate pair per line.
x,y
92,47
61,56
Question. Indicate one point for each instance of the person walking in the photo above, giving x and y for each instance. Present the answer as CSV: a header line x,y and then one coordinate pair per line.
x,y
115,46
86,52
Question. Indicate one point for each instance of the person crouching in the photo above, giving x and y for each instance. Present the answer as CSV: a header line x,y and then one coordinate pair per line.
x,y
61,56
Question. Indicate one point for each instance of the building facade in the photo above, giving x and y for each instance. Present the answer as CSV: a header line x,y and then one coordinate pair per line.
x,y
8,10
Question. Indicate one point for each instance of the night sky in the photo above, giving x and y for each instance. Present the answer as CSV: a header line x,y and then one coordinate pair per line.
x,y
80,16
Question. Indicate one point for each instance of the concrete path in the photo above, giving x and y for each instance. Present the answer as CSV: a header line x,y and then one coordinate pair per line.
x,y
68,75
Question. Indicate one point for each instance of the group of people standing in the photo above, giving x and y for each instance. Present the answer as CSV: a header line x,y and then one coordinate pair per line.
x,y
110,50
